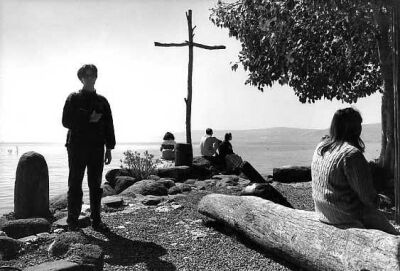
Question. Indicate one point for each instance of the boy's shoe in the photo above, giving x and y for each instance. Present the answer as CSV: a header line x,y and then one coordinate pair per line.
x,y
100,227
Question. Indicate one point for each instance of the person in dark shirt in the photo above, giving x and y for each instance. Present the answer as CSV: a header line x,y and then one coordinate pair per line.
x,y
225,147
87,115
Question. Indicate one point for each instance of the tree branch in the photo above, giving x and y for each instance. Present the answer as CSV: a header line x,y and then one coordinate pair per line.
x,y
171,44
209,47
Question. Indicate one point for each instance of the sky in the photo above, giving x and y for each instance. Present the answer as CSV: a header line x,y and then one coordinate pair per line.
x,y
43,43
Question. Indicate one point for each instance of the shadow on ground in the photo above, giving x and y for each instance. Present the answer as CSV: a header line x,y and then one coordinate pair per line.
x,y
233,233
127,252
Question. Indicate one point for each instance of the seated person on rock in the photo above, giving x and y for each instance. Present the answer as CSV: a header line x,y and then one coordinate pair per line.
x,y
168,146
229,159
342,186
209,146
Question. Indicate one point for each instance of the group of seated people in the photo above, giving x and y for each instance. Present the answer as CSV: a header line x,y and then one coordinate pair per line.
x,y
342,184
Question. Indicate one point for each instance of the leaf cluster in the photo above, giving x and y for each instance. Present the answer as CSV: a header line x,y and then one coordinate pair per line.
x,y
320,50
140,167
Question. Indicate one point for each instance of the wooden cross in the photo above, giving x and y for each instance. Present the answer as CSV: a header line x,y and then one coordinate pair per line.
x,y
190,44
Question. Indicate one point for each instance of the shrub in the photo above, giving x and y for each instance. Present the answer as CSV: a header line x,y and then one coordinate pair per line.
x,y
140,167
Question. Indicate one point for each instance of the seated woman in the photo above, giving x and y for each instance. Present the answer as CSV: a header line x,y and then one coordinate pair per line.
x,y
168,147
231,161
342,185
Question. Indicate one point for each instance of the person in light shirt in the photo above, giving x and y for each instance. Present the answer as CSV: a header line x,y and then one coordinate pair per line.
x,y
209,146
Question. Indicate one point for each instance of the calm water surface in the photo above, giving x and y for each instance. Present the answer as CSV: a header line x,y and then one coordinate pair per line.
x,y
263,156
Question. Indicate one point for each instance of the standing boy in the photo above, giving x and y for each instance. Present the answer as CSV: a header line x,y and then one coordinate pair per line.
x,y
88,118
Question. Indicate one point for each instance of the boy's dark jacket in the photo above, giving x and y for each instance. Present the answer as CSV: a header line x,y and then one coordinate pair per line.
x,y
76,114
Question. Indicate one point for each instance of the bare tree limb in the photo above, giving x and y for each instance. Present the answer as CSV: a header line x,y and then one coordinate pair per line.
x,y
171,44
209,47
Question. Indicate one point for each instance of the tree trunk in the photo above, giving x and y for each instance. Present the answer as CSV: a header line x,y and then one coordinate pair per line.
x,y
297,236
386,158
190,74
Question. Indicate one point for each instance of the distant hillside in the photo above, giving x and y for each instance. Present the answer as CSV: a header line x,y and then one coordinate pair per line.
x,y
370,133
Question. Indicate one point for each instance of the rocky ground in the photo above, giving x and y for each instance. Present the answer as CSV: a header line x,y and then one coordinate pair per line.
x,y
174,236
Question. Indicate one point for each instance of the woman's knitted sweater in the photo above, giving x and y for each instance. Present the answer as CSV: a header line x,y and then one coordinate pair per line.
x,y
341,184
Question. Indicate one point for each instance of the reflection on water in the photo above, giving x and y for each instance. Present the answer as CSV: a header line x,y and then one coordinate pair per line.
x,y
263,156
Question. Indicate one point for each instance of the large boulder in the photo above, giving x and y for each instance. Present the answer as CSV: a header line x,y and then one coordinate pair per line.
x,y
122,183
292,174
86,255
146,187
112,174
108,190
201,168
24,227
179,173
31,192
179,188
168,183
9,247
64,241
59,202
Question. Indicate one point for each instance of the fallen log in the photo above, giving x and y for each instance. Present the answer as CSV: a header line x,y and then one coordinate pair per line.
x,y
298,237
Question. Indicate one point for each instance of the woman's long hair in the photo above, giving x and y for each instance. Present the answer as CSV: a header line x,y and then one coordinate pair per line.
x,y
345,127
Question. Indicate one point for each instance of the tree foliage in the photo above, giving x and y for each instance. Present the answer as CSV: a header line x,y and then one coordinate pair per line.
x,y
320,50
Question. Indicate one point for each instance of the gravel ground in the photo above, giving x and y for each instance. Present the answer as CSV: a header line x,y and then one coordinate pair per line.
x,y
181,239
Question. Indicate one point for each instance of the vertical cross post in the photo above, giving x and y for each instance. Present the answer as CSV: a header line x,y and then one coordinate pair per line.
x,y
396,86
190,44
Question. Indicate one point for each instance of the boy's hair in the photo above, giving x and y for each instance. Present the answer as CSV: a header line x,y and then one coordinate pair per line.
x,y
87,67
209,131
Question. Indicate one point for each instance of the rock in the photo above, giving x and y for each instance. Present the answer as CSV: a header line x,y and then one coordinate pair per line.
x,y
29,239
86,254
153,177
24,227
235,178
243,182
2,233
60,265
200,161
108,190
201,168
146,187
31,193
200,185
183,187
113,201
288,174
113,173
174,190
179,173
123,182
190,181
265,191
9,247
226,180
166,182
64,241
59,202
151,200
83,222
60,214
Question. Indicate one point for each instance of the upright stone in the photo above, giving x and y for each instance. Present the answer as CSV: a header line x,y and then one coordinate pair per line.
x,y
31,191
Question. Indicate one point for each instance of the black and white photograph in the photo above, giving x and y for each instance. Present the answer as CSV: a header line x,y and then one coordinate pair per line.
x,y
199,135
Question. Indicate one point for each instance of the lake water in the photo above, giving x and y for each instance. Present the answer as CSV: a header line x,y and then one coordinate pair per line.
x,y
263,156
